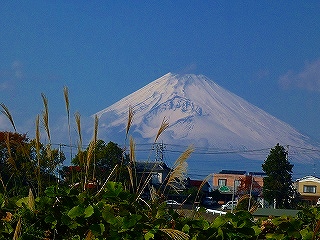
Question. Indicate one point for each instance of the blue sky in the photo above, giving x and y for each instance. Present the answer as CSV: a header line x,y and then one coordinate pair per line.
x,y
267,52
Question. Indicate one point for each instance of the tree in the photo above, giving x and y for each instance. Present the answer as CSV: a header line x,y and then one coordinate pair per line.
x,y
277,185
19,165
248,186
105,158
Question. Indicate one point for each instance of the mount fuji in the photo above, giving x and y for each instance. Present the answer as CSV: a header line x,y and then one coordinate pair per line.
x,y
200,112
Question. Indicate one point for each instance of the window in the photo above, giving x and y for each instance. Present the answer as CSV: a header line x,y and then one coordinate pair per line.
x,y
156,178
237,183
222,182
309,189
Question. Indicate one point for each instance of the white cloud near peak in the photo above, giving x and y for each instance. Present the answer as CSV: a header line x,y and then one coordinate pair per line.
x,y
308,78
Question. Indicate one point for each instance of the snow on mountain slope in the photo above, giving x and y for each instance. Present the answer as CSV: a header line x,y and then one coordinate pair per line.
x,y
199,112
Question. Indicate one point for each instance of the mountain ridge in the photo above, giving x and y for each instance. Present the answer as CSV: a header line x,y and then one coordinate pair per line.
x,y
199,112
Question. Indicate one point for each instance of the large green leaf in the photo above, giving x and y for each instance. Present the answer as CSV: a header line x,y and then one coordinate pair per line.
x,y
148,236
88,211
97,229
65,220
76,212
219,221
50,191
306,234
186,228
131,220
113,189
22,201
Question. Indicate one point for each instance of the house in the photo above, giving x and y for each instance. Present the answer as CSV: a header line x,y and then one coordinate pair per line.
x,y
157,170
205,186
228,181
309,189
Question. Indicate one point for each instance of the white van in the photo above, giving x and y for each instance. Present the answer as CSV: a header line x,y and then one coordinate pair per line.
x,y
229,205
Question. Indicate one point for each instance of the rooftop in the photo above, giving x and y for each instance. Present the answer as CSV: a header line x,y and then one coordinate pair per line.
x,y
235,172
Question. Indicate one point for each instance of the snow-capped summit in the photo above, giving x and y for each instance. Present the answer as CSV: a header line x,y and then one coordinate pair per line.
x,y
200,112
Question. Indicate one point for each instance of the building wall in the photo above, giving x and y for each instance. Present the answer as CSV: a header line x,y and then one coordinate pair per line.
x,y
309,189
230,178
301,188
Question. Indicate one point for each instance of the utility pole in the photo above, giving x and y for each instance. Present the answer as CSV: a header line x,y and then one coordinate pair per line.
x,y
159,148
250,196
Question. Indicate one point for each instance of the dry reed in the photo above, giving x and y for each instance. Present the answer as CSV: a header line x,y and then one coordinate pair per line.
x,y
108,178
38,138
90,236
175,234
37,143
163,127
7,113
95,139
89,157
45,121
31,202
130,119
45,116
132,165
180,168
17,231
77,117
206,179
66,99
10,160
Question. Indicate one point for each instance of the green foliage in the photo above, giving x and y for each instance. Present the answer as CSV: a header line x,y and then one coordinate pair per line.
x,y
35,206
277,185
67,213
20,169
63,213
105,158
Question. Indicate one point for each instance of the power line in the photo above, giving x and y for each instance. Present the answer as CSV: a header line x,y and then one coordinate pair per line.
x,y
174,148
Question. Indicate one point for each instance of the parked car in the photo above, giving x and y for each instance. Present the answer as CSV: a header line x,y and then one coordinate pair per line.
x,y
207,201
172,203
229,205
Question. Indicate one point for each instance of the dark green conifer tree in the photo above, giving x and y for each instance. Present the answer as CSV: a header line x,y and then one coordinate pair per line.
x,y
278,184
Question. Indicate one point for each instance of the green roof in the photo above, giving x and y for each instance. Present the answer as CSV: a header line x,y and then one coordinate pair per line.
x,y
265,212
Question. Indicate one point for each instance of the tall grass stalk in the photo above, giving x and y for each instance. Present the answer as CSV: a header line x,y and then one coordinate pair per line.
x,y
95,139
66,99
179,169
7,113
10,160
37,143
77,117
45,121
206,179
17,231
108,178
142,185
130,119
164,125
31,201
132,165
88,160
90,152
